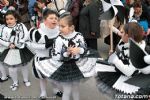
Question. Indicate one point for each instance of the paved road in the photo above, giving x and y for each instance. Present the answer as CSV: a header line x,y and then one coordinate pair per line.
x,y
88,89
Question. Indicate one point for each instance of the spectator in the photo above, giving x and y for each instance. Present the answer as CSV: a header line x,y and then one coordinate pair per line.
x,y
89,24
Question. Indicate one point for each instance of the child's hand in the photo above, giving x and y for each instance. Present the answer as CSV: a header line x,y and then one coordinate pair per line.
x,y
11,46
11,8
75,50
148,32
69,50
93,33
119,34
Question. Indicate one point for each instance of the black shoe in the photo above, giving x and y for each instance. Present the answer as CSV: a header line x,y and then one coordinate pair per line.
x,y
8,76
2,97
59,94
42,98
4,79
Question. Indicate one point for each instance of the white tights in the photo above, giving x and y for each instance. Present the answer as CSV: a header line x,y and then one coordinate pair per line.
x,y
13,74
70,87
43,83
3,71
56,86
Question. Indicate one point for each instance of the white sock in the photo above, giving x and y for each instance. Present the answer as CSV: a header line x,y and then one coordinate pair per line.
x,y
75,90
13,74
66,91
24,70
43,87
3,72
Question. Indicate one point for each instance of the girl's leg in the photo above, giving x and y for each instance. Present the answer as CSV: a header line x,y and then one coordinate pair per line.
x,y
3,72
24,70
43,83
66,90
56,88
13,75
75,90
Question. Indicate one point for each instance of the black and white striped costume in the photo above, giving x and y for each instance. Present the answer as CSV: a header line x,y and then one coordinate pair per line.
x,y
18,35
66,68
115,75
38,45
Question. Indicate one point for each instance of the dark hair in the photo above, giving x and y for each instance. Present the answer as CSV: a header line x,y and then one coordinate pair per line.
x,y
137,4
68,18
13,13
48,12
12,3
134,30
1,18
37,8
42,1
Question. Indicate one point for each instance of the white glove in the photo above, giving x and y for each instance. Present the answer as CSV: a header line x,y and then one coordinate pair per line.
x,y
147,59
145,70
112,58
33,18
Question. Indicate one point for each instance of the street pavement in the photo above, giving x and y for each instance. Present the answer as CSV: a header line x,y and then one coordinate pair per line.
x,y
88,89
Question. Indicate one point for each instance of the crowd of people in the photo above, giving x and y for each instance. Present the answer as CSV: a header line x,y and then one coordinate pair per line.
x,y
60,36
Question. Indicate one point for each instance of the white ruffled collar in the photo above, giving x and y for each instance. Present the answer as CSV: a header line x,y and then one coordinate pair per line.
x,y
70,35
51,33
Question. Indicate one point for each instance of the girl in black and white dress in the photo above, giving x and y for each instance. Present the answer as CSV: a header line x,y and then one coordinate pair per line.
x,y
70,60
119,67
13,37
41,41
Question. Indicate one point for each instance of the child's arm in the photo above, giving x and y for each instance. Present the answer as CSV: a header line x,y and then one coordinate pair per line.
x,y
57,49
128,70
37,41
3,40
35,45
80,48
116,31
7,43
4,43
82,45
25,32
19,35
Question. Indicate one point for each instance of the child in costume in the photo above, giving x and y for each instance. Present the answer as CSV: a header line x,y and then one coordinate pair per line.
x,y
13,37
4,76
70,60
41,41
120,67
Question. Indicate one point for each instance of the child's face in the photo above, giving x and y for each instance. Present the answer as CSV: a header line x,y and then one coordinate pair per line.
x,y
64,28
10,20
51,21
124,36
6,2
